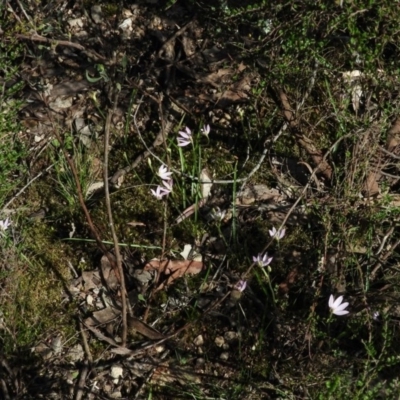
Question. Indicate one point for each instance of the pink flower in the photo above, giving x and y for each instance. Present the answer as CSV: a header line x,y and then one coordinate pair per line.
x,y
262,261
5,224
241,286
160,192
185,137
206,130
168,184
277,234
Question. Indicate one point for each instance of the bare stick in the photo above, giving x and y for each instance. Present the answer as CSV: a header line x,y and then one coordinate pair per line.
x,y
85,342
24,12
37,38
5,390
15,15
111,111
92,228
81,382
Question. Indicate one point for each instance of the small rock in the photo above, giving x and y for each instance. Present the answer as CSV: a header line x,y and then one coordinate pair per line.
x,y
116,373
89,299
160,348
219,341
224,356
75,353
199,341
96,14
200,362
143,277
61,103
44,350
126,25
231,336
56,344
75,23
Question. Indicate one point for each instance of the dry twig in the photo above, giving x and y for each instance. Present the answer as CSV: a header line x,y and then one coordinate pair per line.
x,y
111,111
37,38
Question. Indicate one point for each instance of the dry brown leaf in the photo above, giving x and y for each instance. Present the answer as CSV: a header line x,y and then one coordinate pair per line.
x,y
108,272
371,187
218,78
69,88
91,280
136,325
287,109
291,278
252,193
164,375
393,138
103,316
135,223
236,93
174,269
242,67
323,167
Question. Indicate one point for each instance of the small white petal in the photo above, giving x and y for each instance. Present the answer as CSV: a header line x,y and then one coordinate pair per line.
x,y
183,142
341,307
184,135
343,312
331,301
163,172
337,302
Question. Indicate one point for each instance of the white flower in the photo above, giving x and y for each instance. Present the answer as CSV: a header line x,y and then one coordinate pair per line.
x,y
185,137
277,234
336,306
163,173
160,192
206,130
168,183
261,260
217,214
5,224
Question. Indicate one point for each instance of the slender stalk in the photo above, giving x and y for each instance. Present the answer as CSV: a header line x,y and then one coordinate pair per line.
x,y
111,221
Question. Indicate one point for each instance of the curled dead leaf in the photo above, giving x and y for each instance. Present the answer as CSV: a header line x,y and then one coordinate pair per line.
x,y
174,269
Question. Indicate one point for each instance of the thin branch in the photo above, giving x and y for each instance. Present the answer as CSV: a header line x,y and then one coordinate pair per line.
x,y
81,382
389,153
37,38
85,342
111,112
92,228
26,15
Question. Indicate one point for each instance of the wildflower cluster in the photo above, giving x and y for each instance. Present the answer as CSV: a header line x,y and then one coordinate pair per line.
x,y
167,183
263,260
